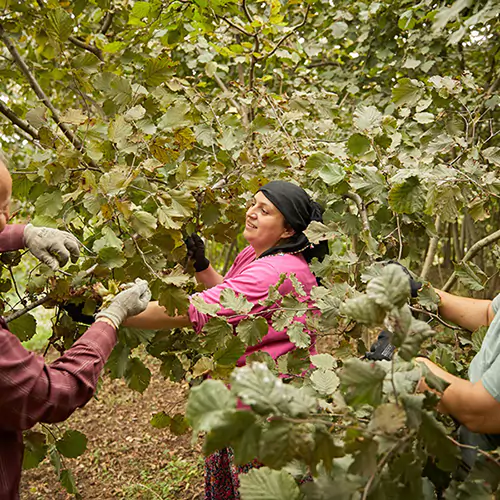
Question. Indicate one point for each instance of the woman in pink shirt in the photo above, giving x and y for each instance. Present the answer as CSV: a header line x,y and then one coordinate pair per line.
x,y
275,221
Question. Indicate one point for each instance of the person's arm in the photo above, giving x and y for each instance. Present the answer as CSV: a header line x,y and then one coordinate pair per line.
x,y
471,404
31,391
12,237
464,311
155,317
209,277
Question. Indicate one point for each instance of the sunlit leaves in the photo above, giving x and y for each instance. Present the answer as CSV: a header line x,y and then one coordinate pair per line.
x,y
237,303
60,24
367,117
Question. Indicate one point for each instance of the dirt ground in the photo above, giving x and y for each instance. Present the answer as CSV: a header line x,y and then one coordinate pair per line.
x,y
126,457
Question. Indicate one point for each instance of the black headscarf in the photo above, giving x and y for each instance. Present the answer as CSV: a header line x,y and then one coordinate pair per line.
x,y
299,210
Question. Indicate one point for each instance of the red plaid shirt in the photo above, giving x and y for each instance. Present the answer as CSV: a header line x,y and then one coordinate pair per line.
x,y
31,391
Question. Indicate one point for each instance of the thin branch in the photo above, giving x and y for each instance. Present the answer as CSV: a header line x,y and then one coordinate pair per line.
x,y
470,447
245,10
90,48
25,126
431,251
41,94
28,308
473,251
108,19
289,34
434,316
400,239
236,27
361,209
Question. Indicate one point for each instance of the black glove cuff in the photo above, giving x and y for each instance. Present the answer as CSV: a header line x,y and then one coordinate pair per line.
x,y
201,264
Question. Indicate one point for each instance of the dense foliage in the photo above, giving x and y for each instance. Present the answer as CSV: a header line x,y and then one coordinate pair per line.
x,y
132,124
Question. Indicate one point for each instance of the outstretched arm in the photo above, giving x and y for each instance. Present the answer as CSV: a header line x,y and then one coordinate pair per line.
x,y
471,404
209,277
464,311
155,317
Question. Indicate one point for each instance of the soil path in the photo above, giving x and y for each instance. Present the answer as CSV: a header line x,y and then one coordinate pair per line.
x,y
126,457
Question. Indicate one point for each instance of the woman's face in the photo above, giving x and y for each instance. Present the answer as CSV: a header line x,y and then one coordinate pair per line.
x,y
265,225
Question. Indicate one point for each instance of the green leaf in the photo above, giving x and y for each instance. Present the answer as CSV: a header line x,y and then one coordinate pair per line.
x,y
72,444
407,197
160,420
175,300
230,353
367,117
74,117
363,310
203,307
140,9
268,484
23,327
137,375
358,144
362,382
369,183
112,257
68,481
157,70
237,303
325,166
388,418
478,337
144,223
60,25
325,381
492,155
298,336
324,361
390,289
424,117
218,331
407,92
49,204
202,367
207,404
35,449
252,330
471,276
317,231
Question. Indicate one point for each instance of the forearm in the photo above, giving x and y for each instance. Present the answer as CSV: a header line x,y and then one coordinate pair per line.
x,y
155,317
464,311
469,403
209,277
12,237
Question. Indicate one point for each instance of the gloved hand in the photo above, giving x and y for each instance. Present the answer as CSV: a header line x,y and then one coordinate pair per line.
x,y
415,285
381,348
196,252
128,303
51,246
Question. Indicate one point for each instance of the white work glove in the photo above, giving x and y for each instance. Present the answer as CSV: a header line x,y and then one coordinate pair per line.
x,y
128,303
51,246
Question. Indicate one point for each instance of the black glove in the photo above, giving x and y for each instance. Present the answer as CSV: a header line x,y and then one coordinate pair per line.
x,y
415,285
75,311
381,348
196,252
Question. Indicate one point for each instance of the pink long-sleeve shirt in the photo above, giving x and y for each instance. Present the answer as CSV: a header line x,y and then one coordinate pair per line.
x,y
31,391
252,277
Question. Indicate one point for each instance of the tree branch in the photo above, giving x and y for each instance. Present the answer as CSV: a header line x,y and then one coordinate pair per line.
x,y
361,209
108,19
41,94
236,27
28,308
431,251
474,249
25,126
94,50
289,34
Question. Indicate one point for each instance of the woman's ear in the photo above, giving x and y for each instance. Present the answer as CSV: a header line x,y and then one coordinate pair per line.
x,y
288,232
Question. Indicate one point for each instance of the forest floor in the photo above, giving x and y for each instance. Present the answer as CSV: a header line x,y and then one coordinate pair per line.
x,y
126,457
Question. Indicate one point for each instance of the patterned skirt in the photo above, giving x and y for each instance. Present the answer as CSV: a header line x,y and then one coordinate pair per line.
x,y
222,475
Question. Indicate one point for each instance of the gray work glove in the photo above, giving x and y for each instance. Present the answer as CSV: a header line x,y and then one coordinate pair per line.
x,y
128,303
51,246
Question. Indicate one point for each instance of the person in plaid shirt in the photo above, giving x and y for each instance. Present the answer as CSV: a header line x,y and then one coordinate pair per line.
x,y
30,390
